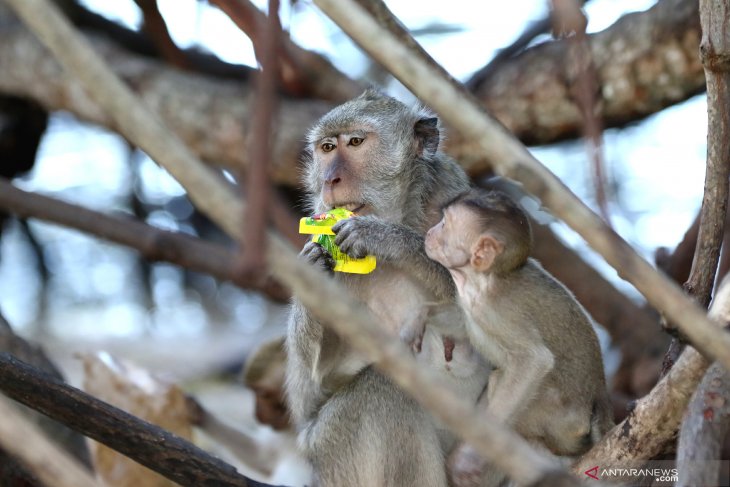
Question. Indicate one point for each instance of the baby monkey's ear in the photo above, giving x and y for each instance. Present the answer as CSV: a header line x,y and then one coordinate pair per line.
x,y
484,252
426,131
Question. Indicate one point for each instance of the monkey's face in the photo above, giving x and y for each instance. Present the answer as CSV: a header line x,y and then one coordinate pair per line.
x,y
350,170
449,241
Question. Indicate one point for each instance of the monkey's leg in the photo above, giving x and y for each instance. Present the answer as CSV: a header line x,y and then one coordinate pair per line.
x,y
520,378
371,434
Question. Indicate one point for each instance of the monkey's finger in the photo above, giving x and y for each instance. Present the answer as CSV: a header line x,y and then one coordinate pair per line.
x,y
352,247
309,249
313,253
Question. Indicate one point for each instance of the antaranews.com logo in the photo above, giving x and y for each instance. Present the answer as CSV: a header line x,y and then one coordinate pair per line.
x,y
670,475
660,473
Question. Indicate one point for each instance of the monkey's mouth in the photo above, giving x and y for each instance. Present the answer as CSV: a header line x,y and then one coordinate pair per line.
x,y
356,208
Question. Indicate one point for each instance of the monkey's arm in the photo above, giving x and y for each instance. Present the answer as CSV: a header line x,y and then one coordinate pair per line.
x,y
311,353
396,244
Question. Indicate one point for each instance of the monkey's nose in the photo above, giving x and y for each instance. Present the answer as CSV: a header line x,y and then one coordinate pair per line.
x,y
332,181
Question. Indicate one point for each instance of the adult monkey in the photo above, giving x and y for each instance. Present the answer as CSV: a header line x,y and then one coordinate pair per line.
x,y
379,158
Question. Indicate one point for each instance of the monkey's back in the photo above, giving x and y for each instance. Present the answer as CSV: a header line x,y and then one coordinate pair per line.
x,y
574,394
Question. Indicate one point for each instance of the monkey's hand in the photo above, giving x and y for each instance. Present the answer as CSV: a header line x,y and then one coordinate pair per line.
x,y
465,466
402,246
313,253
361,235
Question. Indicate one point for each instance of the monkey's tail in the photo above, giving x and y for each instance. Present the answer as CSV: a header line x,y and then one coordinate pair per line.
x,y
601,418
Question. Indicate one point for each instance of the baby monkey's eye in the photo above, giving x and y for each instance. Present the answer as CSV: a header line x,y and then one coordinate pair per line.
x,y
356,141
328,147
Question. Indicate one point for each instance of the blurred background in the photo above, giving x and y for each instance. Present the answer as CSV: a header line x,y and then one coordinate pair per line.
x,y
74,288
75,293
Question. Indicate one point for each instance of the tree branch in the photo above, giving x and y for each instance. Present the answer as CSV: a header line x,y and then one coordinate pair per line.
x,y
252,261
41,456
152,243
644,62
655,419
302,72
704,429
210,115
156,29
145,443
69,440
702,433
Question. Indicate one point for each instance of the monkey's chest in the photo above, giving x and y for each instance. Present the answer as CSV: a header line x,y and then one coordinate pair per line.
x,y
396,300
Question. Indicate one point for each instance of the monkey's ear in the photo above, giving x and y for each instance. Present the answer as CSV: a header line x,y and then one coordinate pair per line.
x,y
484,252
427,135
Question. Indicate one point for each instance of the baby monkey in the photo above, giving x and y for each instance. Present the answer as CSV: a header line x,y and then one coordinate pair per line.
x,y
548,383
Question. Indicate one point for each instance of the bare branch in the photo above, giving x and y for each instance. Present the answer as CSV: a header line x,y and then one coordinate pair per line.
x,y
655,419
145,443
70,441
644,62
47,461
570,22
703,433
302,72
252,262
511,159
152,243
156,29
715,54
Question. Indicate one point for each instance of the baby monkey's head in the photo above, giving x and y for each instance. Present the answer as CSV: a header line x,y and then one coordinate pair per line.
x,y
482,229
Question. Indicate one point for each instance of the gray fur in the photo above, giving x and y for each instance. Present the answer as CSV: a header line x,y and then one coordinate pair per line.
x,y
356,427
548,382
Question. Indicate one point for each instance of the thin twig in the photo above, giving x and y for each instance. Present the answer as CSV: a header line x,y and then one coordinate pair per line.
x,y
252,262
154,244
570,22
156,28
302,72
53,466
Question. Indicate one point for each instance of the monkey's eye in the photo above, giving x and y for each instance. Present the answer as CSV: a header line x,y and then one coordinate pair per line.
x,y
328,147
355,141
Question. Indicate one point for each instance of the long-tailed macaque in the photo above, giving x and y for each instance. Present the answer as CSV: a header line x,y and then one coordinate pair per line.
x,y
548,379
380,159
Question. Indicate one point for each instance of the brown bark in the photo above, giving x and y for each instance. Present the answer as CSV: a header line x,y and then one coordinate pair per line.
x,y
644,62
38,454
156,28
252,258
153,447
302,72
703,431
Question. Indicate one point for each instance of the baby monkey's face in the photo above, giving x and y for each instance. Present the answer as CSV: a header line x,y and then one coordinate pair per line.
x,y
449,242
